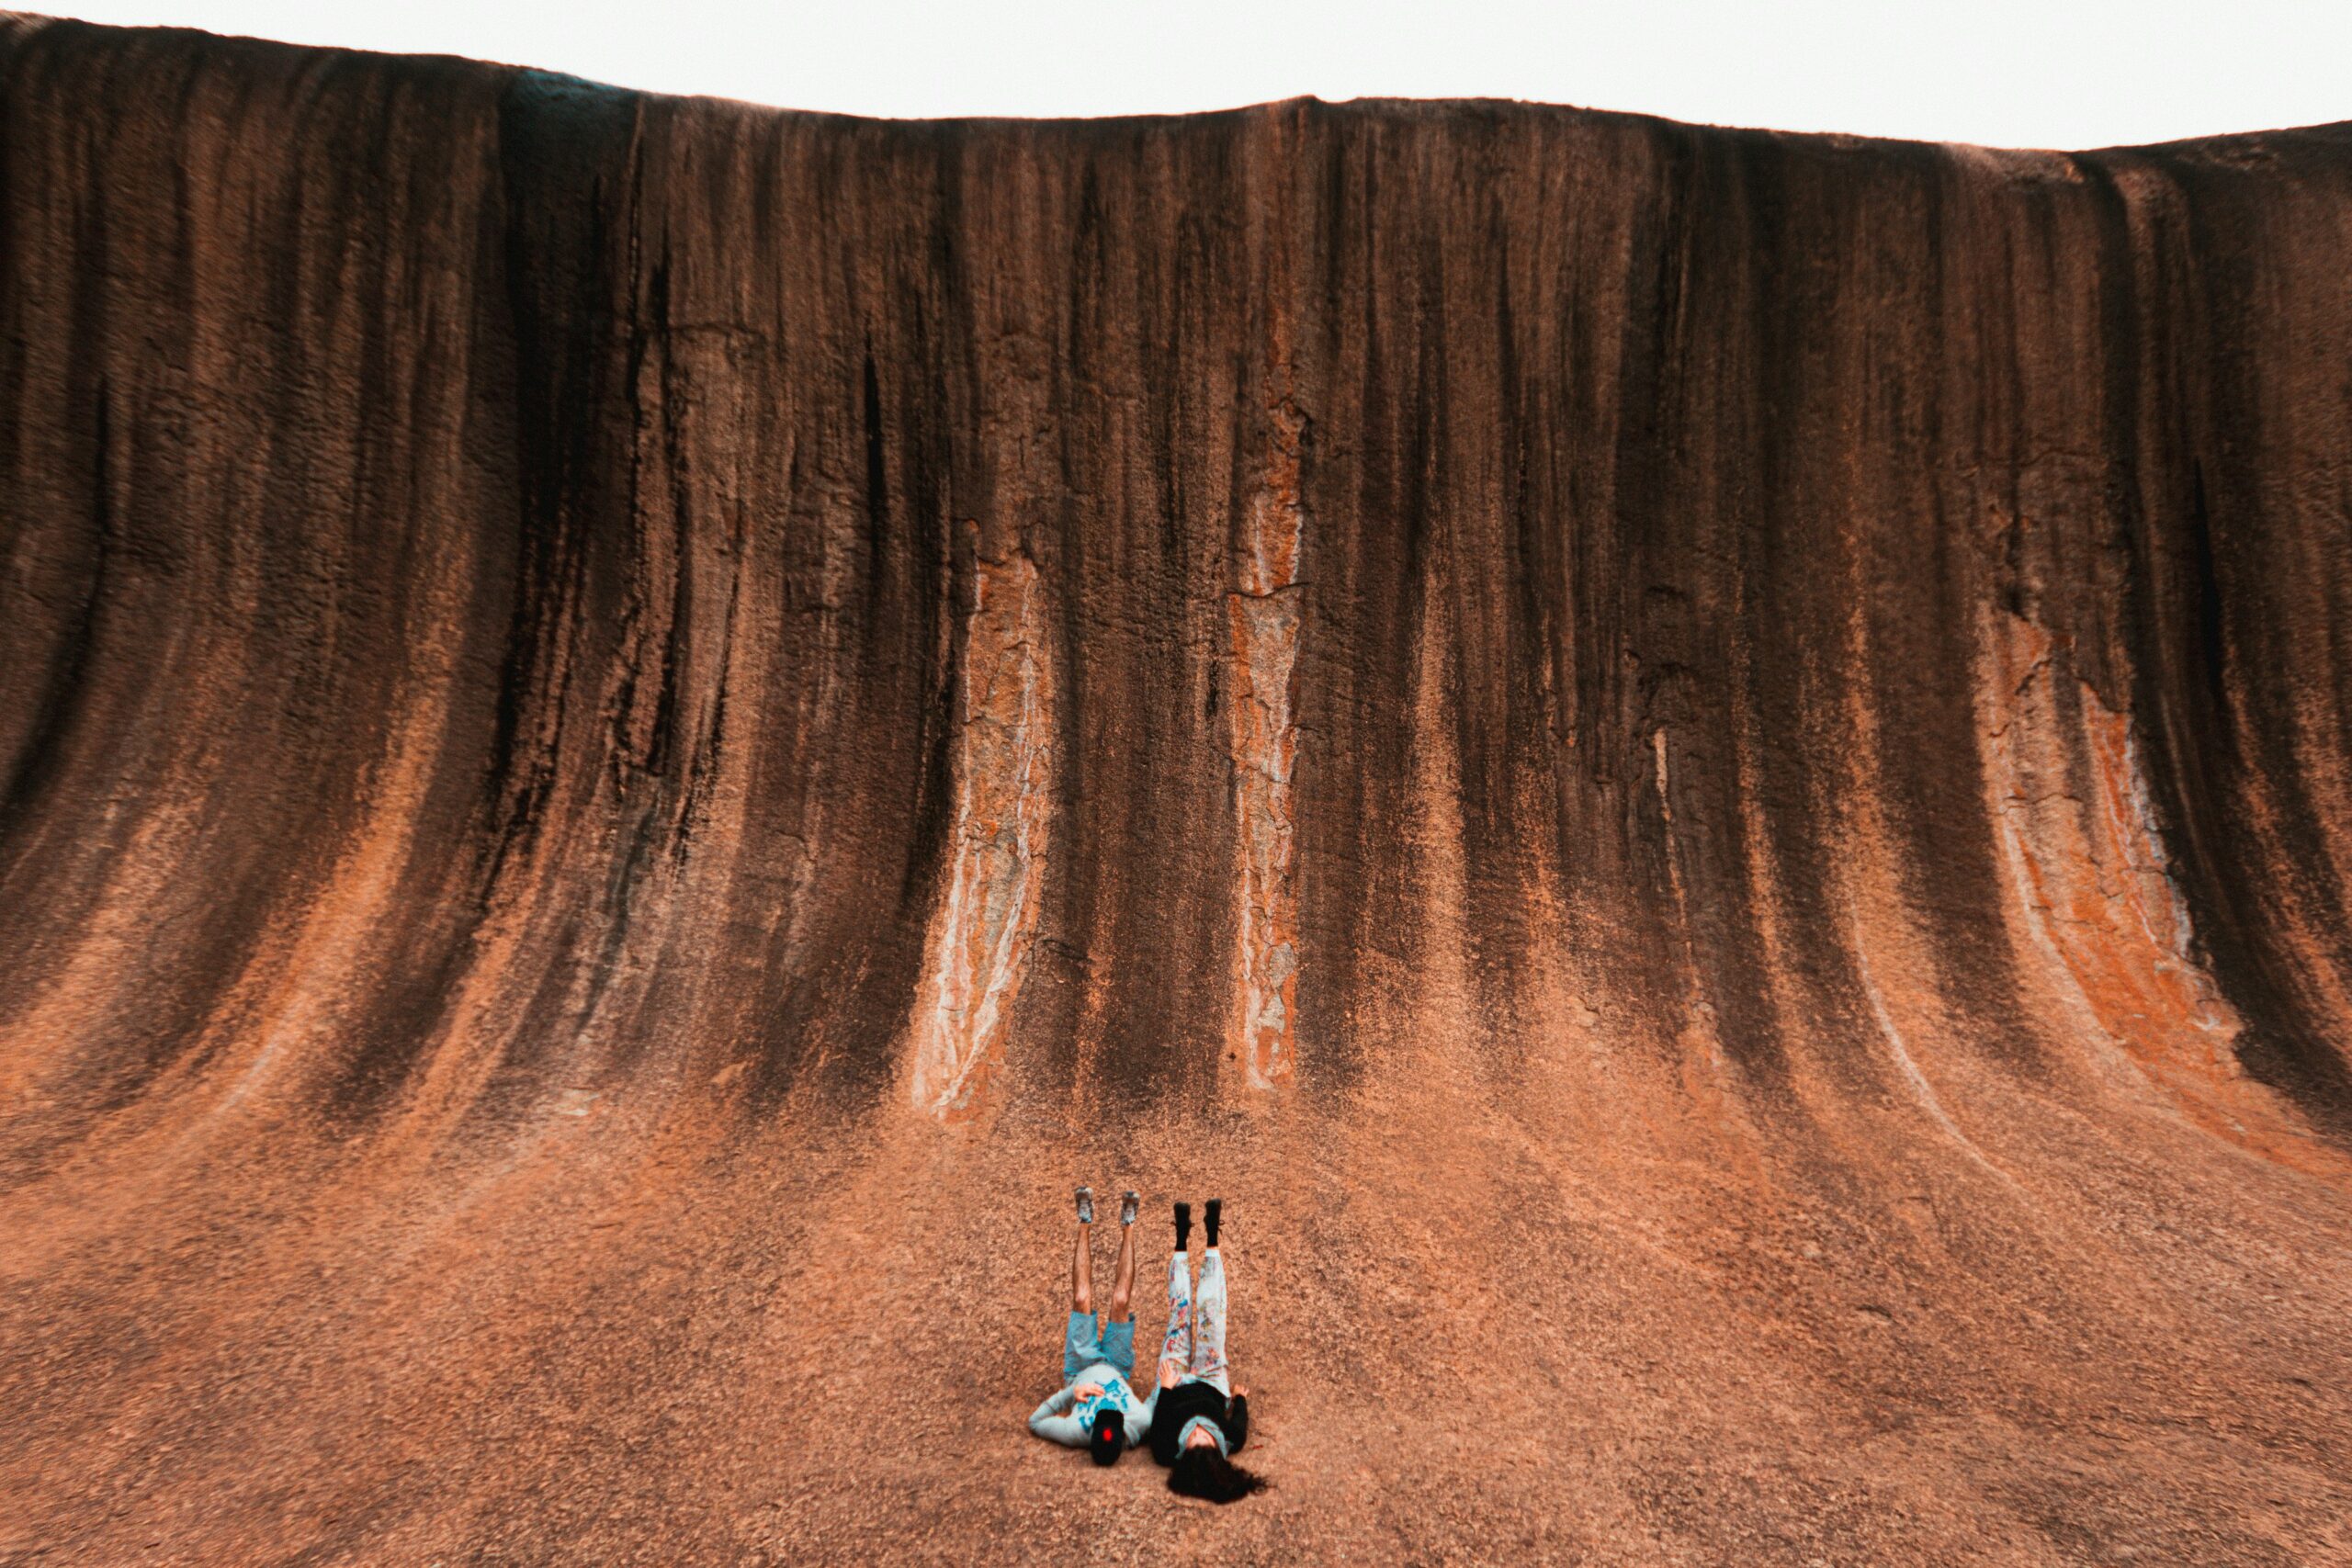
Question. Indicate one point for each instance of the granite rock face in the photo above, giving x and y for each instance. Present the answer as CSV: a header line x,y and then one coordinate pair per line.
x,y
1709,775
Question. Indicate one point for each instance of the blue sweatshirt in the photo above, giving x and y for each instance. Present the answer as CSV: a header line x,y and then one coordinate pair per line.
x,y
1057,1420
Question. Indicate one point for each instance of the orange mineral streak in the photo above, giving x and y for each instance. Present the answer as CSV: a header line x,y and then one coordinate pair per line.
x,y
1265,614
979,942
2096,894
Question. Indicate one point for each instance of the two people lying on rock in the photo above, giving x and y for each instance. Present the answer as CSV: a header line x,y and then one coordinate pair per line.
x,y
1194,1419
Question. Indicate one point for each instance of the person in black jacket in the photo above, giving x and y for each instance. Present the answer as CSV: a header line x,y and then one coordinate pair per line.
x,y
1199,1418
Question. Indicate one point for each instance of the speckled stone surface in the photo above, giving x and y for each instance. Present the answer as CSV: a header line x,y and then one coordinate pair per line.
x,y
1706,772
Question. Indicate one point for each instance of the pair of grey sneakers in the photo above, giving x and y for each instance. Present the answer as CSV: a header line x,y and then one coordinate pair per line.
x,y
1127,1203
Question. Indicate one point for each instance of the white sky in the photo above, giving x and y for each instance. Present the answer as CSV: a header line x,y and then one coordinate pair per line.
x,y
2008,73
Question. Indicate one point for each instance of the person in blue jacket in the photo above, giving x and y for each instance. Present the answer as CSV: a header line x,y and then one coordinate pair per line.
x,y
1096,1407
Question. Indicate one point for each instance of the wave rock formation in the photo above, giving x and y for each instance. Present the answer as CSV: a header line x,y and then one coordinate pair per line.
x,y
1709,775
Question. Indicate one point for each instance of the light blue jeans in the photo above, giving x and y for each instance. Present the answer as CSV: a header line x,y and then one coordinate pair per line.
x,y
1195,1343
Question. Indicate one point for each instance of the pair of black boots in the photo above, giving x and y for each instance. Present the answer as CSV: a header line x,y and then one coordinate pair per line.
x,y
1209,1214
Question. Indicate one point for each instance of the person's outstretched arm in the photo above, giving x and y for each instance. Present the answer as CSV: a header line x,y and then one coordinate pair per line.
x,y
1140,1415
1236,1420
1049,1422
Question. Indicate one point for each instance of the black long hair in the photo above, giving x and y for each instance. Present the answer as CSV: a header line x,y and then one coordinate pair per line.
x,y
1205,1473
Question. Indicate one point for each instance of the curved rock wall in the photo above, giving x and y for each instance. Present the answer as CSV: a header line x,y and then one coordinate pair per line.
x,y
1768,671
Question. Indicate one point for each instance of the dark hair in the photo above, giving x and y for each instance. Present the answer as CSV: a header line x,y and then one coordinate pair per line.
x,y
1109,1439
1205,1473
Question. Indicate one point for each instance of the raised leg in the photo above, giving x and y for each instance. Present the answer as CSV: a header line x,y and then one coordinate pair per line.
x,y
1081,1271
1123,1283
1176,1350
1208,1323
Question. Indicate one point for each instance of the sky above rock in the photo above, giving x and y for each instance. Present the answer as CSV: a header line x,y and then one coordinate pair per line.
x,y
1999,73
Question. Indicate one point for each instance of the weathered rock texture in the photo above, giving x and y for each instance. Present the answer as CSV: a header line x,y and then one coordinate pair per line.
x,y
1705,771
